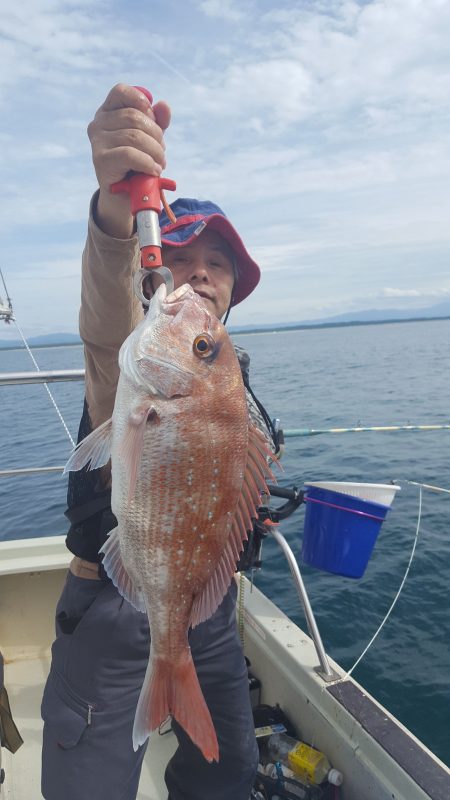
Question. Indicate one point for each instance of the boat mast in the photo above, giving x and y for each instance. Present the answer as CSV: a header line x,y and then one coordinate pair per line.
x,y
6,309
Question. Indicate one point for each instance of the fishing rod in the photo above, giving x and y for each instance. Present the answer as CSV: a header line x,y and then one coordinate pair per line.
x,y
291,433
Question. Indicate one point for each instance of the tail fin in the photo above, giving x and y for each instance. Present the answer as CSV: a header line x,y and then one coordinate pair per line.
x,y
174,689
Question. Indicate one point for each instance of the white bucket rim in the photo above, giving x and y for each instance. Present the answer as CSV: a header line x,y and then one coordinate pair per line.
x,y
324,484
382,493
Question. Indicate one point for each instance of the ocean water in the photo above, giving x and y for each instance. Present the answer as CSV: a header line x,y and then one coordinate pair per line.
x,y
392,374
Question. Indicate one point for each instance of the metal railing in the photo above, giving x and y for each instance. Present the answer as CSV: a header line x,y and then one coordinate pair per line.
x,y
41,376
60,375
11,473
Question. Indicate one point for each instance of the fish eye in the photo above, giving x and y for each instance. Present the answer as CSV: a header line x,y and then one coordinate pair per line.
x,y
203,345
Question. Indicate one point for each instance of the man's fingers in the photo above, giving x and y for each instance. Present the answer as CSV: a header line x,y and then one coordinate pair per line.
x,y
125,119
162,114
124,96
132,139
128,135
112,165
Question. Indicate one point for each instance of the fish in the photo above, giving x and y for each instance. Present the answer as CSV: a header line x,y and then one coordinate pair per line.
x,y
188,468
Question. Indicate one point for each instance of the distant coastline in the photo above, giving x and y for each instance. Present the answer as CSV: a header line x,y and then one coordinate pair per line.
x,y
35,346
301,326
276,328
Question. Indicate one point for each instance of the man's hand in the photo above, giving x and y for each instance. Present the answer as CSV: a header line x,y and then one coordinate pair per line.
x,y
126,134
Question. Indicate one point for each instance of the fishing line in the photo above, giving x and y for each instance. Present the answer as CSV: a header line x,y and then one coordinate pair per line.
x,y
46,386
347,675
421,486
169,66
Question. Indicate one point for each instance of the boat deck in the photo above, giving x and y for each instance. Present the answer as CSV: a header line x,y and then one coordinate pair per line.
x,y
379,758
25,683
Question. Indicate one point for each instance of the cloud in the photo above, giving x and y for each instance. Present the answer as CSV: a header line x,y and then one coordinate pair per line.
x,y
13,151
378,54
424,293
319,127
367,66
390,292
275,90
222,9
61,197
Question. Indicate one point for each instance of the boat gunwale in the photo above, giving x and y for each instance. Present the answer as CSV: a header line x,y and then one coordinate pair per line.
x,y
399,742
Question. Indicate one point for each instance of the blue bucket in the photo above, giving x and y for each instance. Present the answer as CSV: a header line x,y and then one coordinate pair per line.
x,y
340,531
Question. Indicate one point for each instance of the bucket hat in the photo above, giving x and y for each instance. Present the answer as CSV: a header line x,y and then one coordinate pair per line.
x,y
193,217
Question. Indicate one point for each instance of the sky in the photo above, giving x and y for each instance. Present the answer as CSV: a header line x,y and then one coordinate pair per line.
x,y
321,127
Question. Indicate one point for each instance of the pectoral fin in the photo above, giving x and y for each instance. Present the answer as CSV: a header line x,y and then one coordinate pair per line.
x,y
133,442
94,451
116,570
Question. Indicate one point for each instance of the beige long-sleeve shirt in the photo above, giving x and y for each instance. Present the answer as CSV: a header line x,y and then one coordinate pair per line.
x,y
109,312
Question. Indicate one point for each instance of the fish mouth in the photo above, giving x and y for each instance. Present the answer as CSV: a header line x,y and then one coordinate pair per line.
x,y
178,294
186,289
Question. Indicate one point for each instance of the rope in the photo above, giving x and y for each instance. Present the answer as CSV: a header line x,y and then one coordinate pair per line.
x,y
46,386
400,588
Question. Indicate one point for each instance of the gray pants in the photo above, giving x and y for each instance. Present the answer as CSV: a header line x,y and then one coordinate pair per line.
x,y
98,665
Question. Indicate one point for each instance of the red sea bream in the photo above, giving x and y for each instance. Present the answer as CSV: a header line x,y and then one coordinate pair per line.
x,y
187,469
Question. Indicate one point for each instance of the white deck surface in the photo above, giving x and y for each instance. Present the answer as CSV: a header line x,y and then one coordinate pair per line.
x,y
32,573
25,682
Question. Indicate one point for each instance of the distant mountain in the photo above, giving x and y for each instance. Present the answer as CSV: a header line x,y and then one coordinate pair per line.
x,y
49,340
364,317
381,315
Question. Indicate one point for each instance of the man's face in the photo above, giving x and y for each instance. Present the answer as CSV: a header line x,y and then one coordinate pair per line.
x,y
207,265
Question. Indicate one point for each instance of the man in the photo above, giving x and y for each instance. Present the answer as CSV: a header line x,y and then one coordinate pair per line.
x,y
102,645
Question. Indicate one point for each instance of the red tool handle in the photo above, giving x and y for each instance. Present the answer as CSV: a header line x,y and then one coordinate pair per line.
x,y
144,191
145,195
